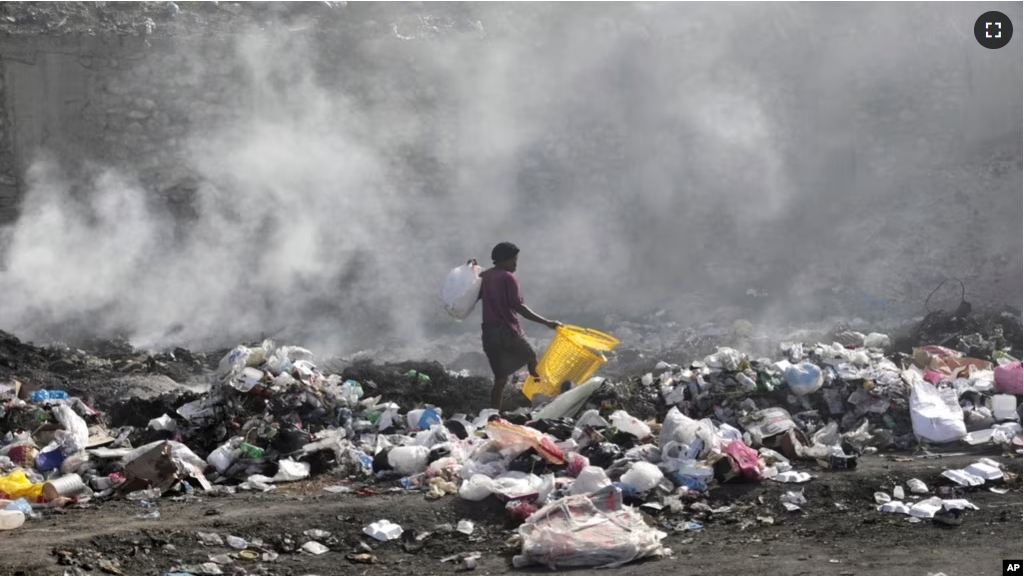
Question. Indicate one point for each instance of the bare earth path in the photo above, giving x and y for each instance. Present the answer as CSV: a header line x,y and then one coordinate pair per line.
x,y
824,540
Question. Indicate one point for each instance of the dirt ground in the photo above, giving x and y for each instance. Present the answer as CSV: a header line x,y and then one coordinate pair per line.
x,y
838,533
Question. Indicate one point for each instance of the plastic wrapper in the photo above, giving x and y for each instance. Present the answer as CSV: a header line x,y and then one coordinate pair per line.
x,y
507,435
591,530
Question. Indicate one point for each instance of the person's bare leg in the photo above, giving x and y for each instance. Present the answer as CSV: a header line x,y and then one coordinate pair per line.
x,y
532,367
497,392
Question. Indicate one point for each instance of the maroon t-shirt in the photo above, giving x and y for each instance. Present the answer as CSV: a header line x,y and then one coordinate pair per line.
x,y
499,291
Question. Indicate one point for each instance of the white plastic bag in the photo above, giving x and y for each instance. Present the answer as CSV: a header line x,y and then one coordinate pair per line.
x,y
589,480
75,425
627,423
476,488
461,290
932,418
643,476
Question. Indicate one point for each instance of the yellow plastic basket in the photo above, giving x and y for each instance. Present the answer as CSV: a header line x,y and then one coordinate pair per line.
x,y
573,355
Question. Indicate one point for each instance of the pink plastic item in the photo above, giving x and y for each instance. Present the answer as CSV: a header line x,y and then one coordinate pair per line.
x,y
1008,378
745,459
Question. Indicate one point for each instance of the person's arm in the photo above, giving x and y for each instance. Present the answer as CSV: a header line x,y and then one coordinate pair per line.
x,y
532,316
517,304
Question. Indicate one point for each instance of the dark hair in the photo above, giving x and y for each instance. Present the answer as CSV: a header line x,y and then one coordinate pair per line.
x,y
504,251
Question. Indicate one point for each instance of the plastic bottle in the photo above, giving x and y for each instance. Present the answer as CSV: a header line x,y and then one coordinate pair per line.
x,y
11,520
145,494
45,395
250,451
20,505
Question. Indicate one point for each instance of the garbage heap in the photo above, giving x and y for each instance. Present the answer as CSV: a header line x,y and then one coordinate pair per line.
x,y
579,461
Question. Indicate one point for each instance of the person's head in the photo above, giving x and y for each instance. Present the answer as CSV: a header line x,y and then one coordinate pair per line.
x,y
505,255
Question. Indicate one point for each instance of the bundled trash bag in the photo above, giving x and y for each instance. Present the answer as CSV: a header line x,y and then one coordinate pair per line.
x,y
587,530
461,289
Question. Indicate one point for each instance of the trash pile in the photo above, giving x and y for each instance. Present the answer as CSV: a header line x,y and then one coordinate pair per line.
x,y
574,473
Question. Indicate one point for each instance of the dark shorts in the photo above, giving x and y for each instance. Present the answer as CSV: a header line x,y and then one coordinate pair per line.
x,y
506,351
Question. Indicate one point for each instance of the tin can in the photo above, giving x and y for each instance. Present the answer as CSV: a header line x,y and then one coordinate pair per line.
x,y
66,486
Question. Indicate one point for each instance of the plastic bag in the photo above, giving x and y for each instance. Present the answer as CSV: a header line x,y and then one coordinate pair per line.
x,y
744,459
15,484
932,418
590,530
234,361
409,460
726,358
627,423
75,425
461,290
224,456
1008,378
643,477
804,378
589,480
290,470
515,485
506,435
476,488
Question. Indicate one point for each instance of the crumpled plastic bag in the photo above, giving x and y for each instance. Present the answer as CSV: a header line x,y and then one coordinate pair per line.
x,y
589,530
726,358
78,436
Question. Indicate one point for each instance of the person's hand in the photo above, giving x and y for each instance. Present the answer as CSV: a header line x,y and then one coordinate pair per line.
x,y
553,324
